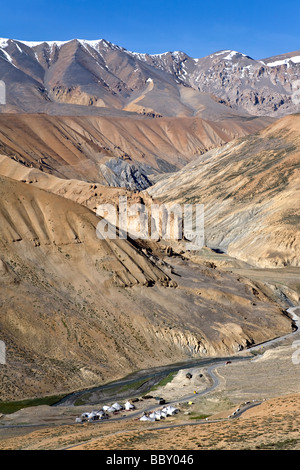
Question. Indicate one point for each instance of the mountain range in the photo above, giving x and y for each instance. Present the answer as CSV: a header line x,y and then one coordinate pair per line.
x,y
98,77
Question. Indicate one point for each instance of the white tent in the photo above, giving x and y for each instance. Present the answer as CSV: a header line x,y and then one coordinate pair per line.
x,y
170,410
101,414
105,408
159,415
93,416
111,409
129,406
117,407
145,418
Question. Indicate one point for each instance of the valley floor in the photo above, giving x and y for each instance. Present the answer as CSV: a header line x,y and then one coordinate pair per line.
x,y
270,380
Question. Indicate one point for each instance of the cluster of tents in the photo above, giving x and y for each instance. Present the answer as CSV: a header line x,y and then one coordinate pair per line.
x,y
159,414
116,408
103,413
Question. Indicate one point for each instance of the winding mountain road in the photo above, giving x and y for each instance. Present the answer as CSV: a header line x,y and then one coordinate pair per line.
x,y
211,364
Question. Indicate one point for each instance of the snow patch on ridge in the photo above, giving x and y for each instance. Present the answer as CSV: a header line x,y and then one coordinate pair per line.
x,y
38,43
93,43
3,42
295,60
8,58
232,54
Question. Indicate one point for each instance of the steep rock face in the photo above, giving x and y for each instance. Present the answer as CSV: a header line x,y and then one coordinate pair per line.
x,y
260,87
249,189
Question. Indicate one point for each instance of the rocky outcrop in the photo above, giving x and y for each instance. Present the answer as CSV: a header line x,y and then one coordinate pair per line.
x,y
259,87
250,190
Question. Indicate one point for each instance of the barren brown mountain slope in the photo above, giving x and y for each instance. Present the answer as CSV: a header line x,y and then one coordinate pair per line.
x,y
90,148
90,195
77,311
250,190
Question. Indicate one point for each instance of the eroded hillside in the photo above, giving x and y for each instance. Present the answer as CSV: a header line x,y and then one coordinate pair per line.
x,y
77,311
114,151
250,190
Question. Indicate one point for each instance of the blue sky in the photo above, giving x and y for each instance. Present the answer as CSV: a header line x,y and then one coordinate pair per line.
x,y
258,28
